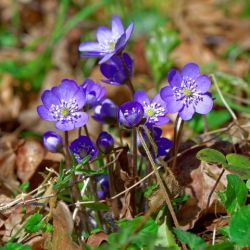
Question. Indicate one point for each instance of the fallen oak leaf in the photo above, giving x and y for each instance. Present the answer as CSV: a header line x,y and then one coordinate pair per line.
x,y
95,240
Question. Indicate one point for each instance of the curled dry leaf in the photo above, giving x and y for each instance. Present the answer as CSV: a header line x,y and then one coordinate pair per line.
x,y
29,156
8,161
198,179
95,240
63,227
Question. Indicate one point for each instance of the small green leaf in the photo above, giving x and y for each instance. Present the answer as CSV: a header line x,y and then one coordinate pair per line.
x,y
235,194
34,223
222,246
212,156
15,246
192,240
239,164
24,186
239,226
165,238
150,190
248,184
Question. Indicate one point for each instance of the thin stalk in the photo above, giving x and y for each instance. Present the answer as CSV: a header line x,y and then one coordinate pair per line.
x,y
129,82
99,218
75,192
205,123
177,139
112,191
134,142
162,186
214,187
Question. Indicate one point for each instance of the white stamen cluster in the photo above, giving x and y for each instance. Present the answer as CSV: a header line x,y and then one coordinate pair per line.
x,y
66,111
153,111
109,45
188,85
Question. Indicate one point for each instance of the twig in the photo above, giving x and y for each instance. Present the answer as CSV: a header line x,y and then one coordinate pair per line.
x,y
167,199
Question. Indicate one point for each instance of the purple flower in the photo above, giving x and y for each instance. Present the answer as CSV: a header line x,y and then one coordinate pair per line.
x,y
154,110
163,144
102,187
94,92
114,70
109,41
52,141
106,112
105,142
130,114
62,105
82,147
188,92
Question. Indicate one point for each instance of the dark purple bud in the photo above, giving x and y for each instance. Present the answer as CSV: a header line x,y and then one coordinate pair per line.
x,y
114,70
52,141
106,112
130,114
83,147
94,93
105,142
102,186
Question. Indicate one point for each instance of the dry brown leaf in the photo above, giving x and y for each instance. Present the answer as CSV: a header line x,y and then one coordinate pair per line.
x,y
198,178
29,156
96,240
63,227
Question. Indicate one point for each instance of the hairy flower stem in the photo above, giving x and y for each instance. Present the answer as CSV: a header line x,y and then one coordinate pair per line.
x,y
99,218
112,191
129,82
75,192
134,143
177,138
159,180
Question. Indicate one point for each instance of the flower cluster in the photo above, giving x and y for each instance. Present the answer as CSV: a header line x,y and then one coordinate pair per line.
x,y
109,41
188,92
63,104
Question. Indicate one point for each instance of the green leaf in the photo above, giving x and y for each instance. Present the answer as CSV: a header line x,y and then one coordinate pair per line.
x,y
34,223
142,238
15,246
239,164
24,186
215,119
192,240
165,238
248,184
160,45
239,226
222,246
149,190
212,156
235,194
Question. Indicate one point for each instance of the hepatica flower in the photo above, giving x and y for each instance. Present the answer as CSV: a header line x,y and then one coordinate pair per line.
x,y
105,142
94,93
114,70
106,112
62,105
82,147
154,110
188,92
130,114
109,41
102,186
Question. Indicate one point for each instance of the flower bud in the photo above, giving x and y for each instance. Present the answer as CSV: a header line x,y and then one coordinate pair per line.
x,y
52,141
105,142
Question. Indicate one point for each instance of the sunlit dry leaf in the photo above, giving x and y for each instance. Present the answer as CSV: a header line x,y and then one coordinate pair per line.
x,y
29,156
96,240
63,227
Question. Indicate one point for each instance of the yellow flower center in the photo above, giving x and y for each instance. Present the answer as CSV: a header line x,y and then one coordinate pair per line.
x,y
150,112
64,111
187,92
112,45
